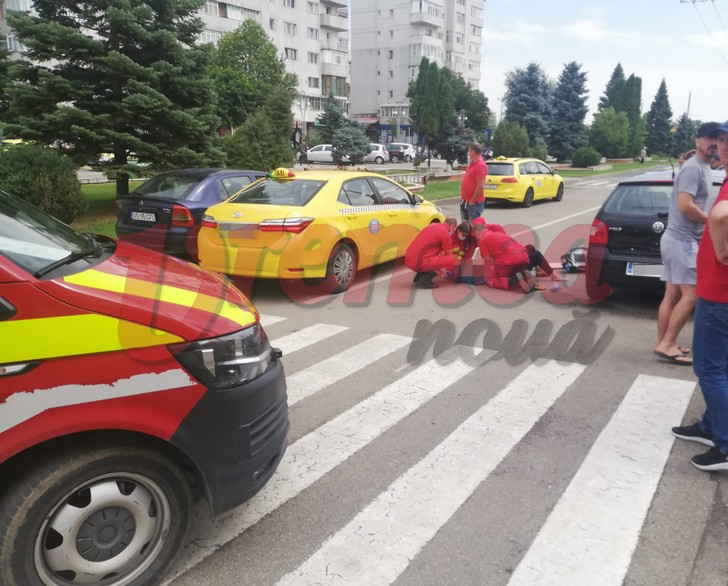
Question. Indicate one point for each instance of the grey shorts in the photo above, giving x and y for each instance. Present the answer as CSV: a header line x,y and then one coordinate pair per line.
x,y
679,258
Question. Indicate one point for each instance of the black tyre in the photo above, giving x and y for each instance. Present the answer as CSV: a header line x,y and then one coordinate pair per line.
x,y
379,160
395,158
527,199
559,193
342,269
114,516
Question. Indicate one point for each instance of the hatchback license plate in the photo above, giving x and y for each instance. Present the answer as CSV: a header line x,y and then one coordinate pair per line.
x,y
143,217
490,186
640,270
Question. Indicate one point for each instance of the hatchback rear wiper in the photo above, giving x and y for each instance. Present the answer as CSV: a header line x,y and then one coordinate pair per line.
x,y
73,257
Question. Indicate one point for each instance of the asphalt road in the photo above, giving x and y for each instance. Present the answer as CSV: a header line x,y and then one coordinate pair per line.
x,y
549,463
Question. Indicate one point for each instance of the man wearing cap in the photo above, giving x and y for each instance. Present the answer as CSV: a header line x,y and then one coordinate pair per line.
x,y
710,334
679,245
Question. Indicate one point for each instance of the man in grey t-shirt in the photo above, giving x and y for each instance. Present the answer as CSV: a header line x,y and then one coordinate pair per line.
x,y
679,245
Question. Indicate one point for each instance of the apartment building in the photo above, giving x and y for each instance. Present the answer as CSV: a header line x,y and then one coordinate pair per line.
x,y
311,35
389,39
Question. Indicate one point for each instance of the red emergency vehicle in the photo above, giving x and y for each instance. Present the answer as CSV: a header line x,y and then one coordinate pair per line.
x,y
131,383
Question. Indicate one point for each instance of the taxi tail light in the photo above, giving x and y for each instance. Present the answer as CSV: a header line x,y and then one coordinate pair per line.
x,y
295,225
181,216
598,234
229,360
208,222
509,180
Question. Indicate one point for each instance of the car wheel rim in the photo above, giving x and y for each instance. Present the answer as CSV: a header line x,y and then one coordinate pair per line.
x,y
110,529
343,267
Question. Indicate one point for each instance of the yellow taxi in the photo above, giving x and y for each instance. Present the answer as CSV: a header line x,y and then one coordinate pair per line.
x,y
522,181
321,226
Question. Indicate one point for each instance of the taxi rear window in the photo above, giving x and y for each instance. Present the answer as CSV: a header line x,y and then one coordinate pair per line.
x,y
297,192
500,168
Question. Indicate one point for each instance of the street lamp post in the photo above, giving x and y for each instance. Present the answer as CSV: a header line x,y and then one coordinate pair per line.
x,y
303,106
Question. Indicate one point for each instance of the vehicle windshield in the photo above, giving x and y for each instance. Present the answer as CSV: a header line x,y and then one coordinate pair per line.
x,y
500,168
297,192
640,200
33,239
168,186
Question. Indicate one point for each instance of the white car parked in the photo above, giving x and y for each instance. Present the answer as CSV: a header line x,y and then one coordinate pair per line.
x,y
377,155
410,152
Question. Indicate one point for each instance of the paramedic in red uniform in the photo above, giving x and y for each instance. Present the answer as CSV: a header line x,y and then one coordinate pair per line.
x,y
431,250
510,259
472,199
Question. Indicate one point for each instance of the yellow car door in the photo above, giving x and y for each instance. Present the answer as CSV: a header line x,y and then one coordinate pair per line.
x,y
366,220
549,183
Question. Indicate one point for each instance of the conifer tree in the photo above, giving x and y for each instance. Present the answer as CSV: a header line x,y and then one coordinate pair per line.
x,y
568,112
119,76
659,123
528,96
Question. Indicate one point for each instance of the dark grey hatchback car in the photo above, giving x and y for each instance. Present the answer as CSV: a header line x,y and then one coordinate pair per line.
x,y
164,213
624,240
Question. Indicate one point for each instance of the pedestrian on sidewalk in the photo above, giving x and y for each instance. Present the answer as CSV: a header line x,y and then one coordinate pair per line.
x,y
710,333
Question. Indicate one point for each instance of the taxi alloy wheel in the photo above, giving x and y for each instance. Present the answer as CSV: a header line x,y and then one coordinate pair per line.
x,y
342,268
115,516
528,198
559,193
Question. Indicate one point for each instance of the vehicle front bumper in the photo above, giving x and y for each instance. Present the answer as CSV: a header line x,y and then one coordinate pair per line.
x,y
236,437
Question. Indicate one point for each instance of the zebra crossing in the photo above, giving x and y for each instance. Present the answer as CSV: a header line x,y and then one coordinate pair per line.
x,y
588,538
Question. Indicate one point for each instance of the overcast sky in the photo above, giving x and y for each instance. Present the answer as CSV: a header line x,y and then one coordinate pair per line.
x,y
684,43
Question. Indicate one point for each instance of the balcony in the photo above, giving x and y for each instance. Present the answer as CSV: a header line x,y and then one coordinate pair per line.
x,y
426,19
334,69
335,22
341,3
340,46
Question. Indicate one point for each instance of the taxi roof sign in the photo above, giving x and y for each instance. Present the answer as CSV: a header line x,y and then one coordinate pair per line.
x,y
282,173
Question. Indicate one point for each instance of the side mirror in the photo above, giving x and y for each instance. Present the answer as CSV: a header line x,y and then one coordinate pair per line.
x,y
418,199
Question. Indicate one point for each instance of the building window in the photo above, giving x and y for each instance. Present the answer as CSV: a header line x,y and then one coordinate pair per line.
x,y
289,3
239,13
291,54
19,5
272,24
313,57
312,7
15,46
459,38
476,12
391,94
210,37
475,30
313,82
313,33
391,34
290,28
475,48
391,74
460,18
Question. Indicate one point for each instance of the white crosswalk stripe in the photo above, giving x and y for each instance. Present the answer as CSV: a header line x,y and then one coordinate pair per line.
x,y
589,537
379,543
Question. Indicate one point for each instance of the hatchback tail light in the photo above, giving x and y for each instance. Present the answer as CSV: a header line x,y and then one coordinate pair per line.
x,y
181,216
598,233
295,225
509,180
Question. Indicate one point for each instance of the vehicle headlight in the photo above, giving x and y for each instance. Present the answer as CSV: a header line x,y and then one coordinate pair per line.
x,y
229,360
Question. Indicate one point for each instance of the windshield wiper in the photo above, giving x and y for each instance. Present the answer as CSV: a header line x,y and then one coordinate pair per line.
x,y
96,250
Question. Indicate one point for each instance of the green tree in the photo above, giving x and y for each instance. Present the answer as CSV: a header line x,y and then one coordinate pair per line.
x,y
569,110
245,72
684,137
631,105
528,97
510,139
613,93
472,103
350,141
424,110
262,142
332,119
610,133
119,76
659,123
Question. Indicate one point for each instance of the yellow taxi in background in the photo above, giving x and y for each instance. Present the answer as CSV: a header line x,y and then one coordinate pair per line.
x,y
522,181
317,225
